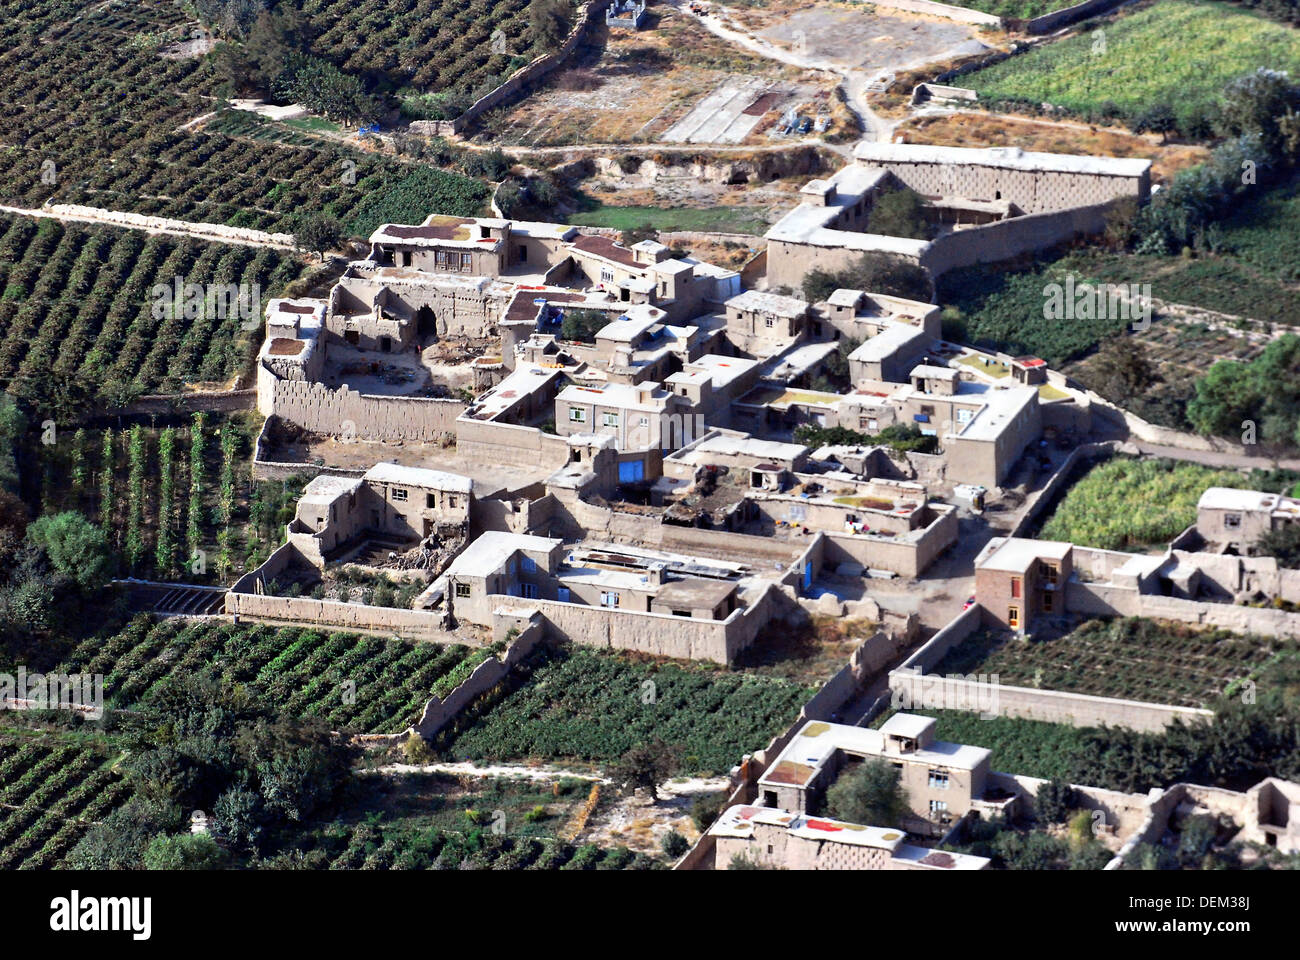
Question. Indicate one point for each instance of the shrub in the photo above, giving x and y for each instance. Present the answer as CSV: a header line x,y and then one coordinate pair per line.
x,y
674,844
1054,801
870,795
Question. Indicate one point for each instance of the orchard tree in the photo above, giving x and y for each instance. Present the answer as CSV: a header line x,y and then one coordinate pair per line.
x,y
871,795
318,234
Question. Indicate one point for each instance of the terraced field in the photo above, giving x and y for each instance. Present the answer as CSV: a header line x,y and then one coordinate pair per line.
x,y
50,791
590,705
1132,658
362,684
1179,52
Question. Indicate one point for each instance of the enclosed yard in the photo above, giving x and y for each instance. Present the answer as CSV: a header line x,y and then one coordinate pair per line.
x,y
593,706
1132,659
363,684
1128,504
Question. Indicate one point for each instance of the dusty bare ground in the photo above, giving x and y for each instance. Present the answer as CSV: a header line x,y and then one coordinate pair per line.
x,y
677,187
640,824
988,130
631,87
854,36
362,455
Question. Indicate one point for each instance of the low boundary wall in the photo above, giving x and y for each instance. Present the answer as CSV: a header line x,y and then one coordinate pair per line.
x,y
591,13
438,712
913,686
960,14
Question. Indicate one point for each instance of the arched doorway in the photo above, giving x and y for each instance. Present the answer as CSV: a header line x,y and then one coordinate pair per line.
x,y
426,324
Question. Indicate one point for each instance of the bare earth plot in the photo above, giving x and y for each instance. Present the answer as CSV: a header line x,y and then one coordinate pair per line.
x,y
632,87
731,112
850,38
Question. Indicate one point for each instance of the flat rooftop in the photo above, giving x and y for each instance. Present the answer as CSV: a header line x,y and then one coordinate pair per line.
x,y
896,336
1245,501
1001,407
524,381
773,303
1010,158
486,554
418,477
1015,554
695,592
817,742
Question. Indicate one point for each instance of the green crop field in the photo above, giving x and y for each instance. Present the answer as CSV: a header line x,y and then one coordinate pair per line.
x,y
588,705
1128,504
707,219
1016,9
94,113
51,790
78,303
364,684
1180,52
1132,659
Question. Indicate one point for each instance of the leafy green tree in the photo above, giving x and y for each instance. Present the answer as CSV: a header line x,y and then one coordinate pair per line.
x,y
674,844
871,795
1282,543
318,234
647,765
1157,118
184,851
76,548
874,272
899,213
1055,800
120,840
583,325
1255,103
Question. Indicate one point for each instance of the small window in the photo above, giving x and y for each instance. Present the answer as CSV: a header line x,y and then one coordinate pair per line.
x,y
939,779
452,501
1048,596
430,500
399,494
562,594
577,415
466,262
609,599
769,322
1048,572
928,410
528,591
938,806
963,416
1015,586
1231,521
606,275
1013,617
644,422
462,589
609,419
530,565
